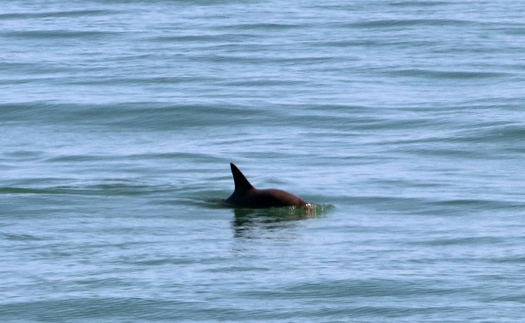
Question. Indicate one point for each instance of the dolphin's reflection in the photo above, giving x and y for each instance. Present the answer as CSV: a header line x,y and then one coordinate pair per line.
x,y
258,223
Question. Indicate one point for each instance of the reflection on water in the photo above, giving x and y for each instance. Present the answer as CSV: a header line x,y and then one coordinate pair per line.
x,y
254,223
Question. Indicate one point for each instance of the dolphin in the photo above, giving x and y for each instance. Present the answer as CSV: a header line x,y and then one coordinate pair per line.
x,y
245,195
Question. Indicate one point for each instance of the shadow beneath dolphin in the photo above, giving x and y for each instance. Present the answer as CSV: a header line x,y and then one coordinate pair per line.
x,y
252,223
256,223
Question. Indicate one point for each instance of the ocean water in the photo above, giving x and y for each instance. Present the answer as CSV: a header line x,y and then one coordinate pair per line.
x,y
402,121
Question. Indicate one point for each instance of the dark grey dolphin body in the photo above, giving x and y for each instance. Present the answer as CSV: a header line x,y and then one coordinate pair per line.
x,y
246,195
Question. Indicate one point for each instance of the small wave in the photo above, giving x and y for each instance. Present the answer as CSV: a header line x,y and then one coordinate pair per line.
x,y
97,190
447,74
21,237
54,14
419,3
54,34
381,23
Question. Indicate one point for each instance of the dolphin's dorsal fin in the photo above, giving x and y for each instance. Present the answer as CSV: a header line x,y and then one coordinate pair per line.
x,y
241,183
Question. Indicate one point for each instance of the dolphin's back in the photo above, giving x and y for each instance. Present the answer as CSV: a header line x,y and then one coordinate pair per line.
x,y
246,195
